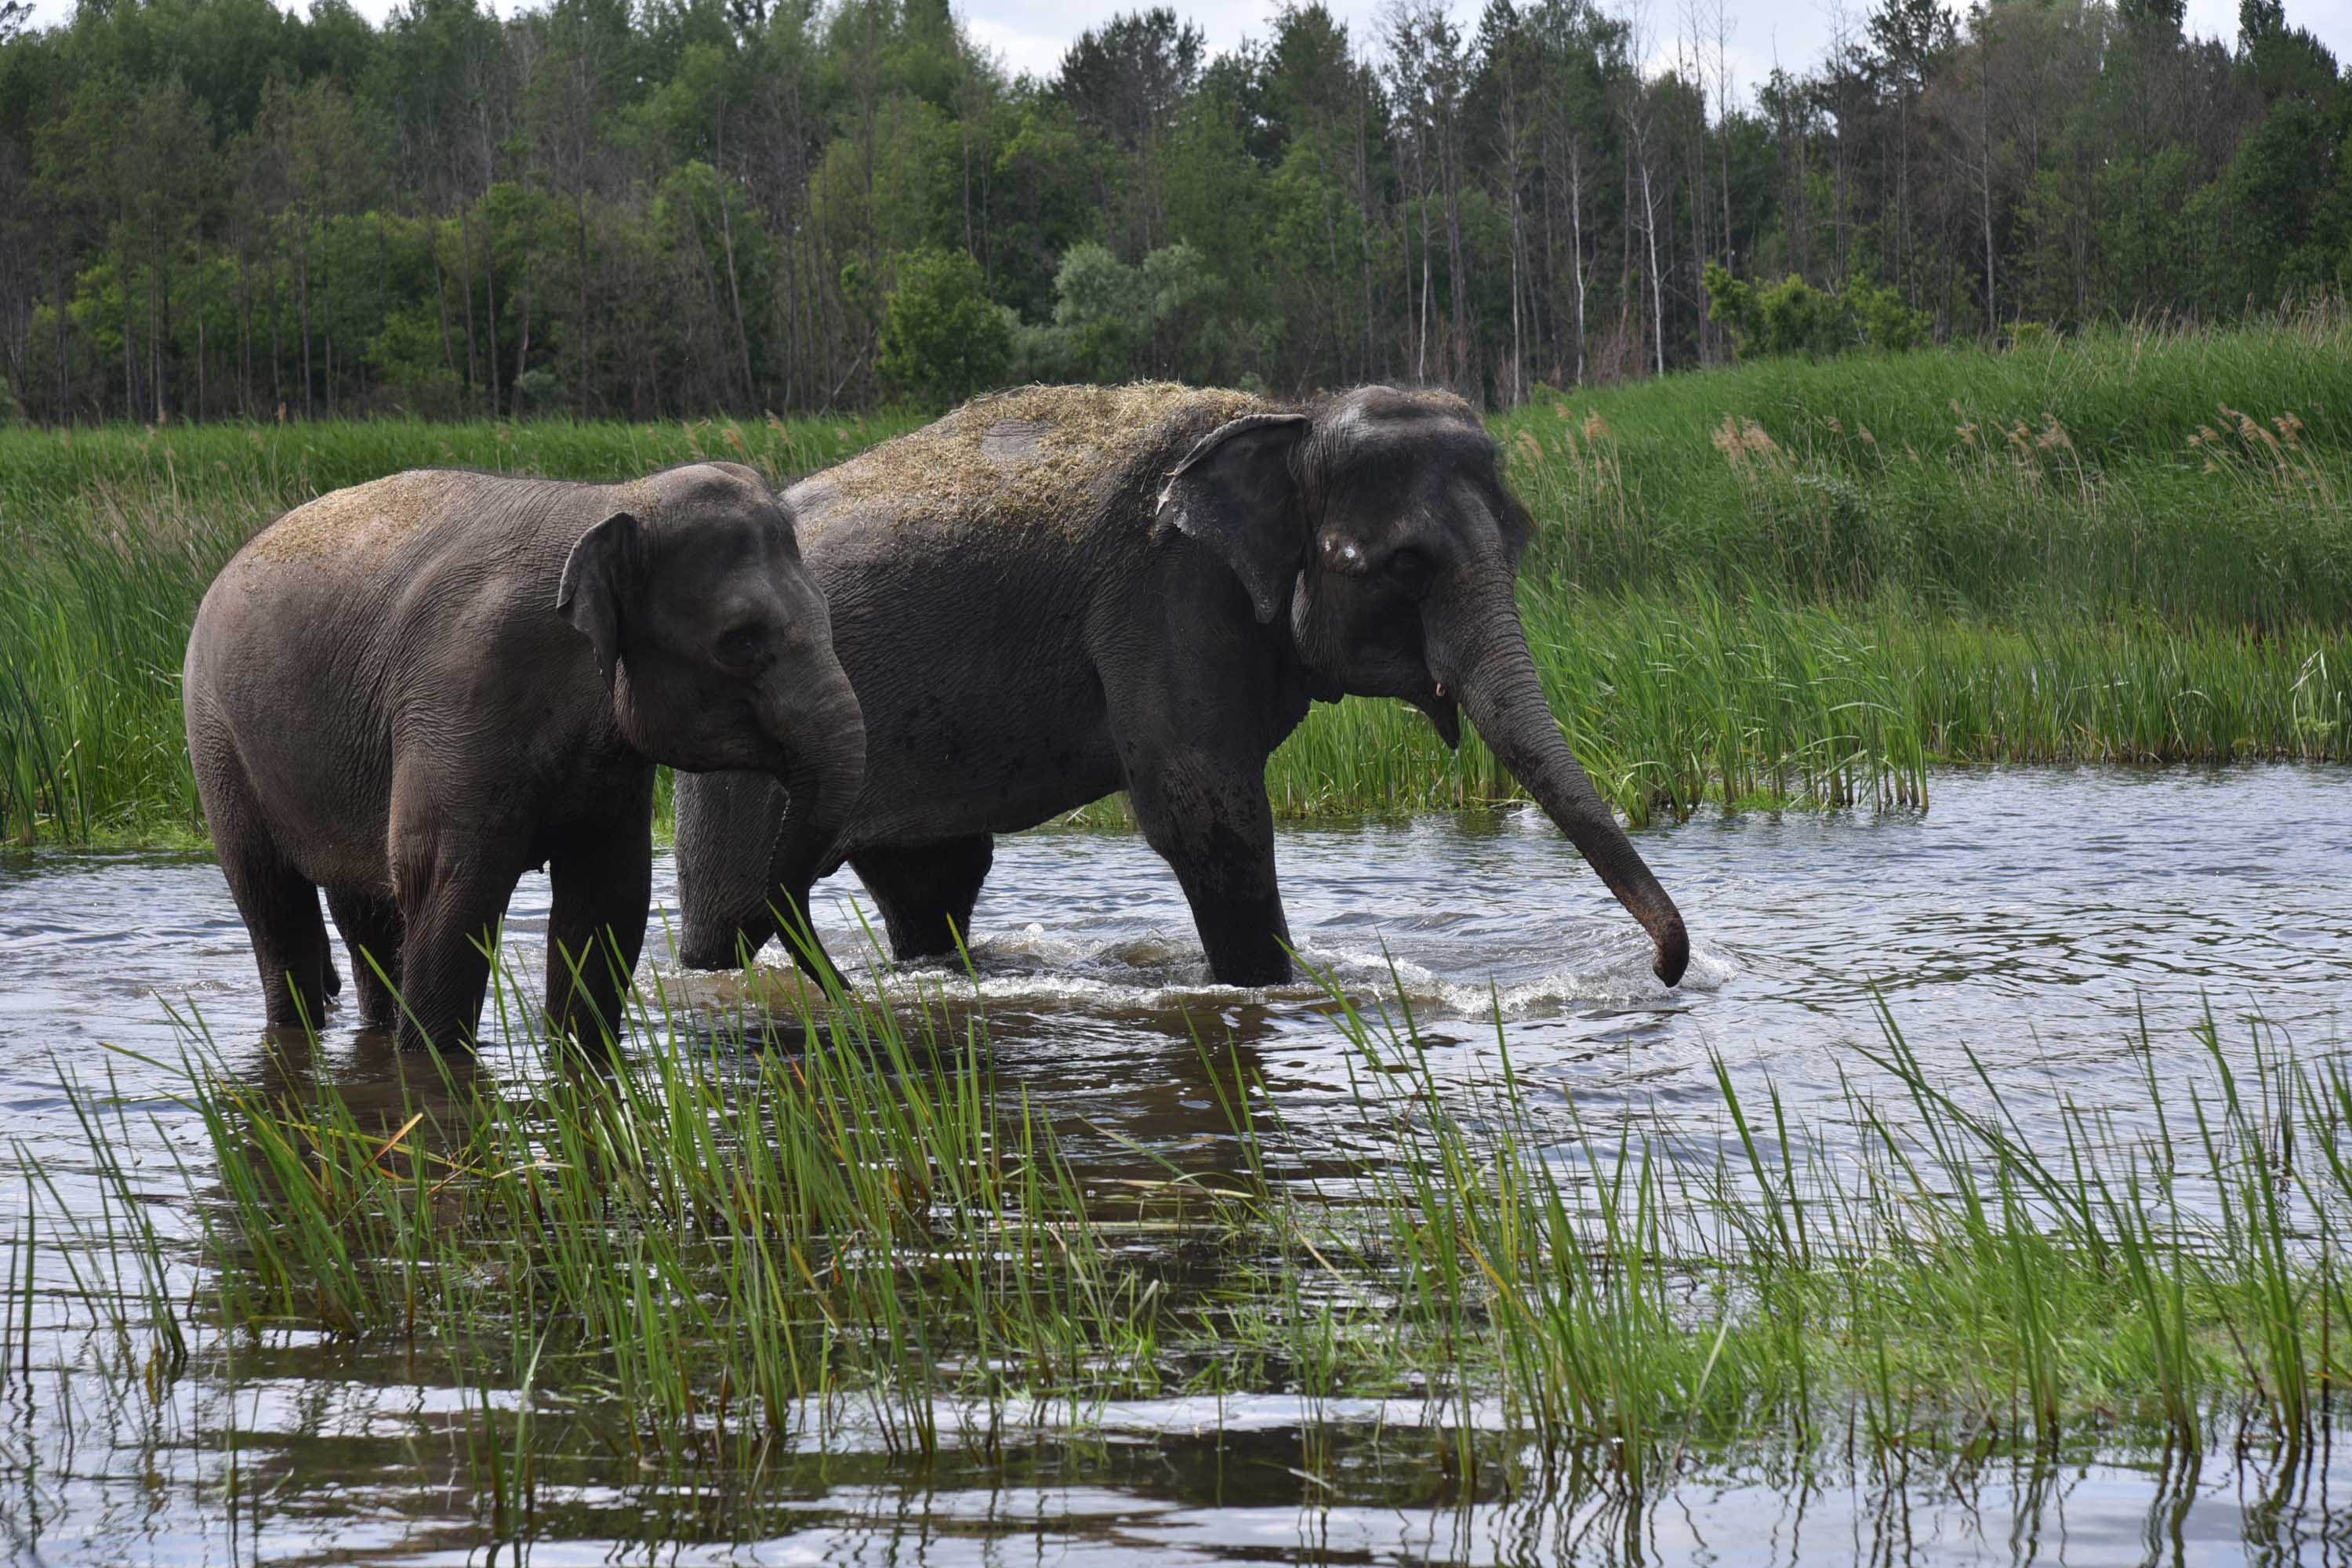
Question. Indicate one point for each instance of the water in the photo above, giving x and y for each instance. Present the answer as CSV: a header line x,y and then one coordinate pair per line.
x,y
2031,917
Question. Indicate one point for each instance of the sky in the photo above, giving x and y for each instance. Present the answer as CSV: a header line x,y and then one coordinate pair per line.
x,y
1793,33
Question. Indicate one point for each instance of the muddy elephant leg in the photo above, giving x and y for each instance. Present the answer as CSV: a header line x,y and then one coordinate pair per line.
x,y
370,924
452,889
604,884
925,891
1209,818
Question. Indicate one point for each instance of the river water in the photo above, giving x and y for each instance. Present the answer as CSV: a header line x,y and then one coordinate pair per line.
x,y
2034,918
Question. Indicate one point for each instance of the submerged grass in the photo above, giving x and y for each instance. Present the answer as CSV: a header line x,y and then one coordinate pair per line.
x,y
746,1231
1781,582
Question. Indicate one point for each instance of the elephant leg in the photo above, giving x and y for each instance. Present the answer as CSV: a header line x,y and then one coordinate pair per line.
x,y
452,889
925,891
370,924
603,884
289,938
281,906
1209,818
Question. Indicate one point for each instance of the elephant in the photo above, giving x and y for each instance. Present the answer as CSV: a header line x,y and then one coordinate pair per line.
x,y
410,693
1055,593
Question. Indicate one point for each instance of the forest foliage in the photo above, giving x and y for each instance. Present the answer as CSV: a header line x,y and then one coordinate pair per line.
x,y
213,208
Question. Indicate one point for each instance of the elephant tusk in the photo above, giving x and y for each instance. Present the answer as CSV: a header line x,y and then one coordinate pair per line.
x,y
1441,689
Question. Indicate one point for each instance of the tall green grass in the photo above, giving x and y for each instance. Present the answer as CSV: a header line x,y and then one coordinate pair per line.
x,y
746,1232
1671,698
2191,473
1804,582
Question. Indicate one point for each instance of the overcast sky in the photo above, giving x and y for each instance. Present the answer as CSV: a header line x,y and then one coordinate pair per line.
x,y
1795,33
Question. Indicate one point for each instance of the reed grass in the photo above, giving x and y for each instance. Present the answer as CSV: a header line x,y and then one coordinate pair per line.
x,y
1673,699
1804,583
751,1229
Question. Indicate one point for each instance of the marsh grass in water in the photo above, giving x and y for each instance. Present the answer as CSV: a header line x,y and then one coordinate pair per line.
x,y
1781,582
751,1235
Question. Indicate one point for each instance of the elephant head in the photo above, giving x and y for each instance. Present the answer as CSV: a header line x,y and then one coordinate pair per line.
x,y
715,642
1378,524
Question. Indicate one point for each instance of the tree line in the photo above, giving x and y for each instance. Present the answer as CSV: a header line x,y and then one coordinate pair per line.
x,y
211,208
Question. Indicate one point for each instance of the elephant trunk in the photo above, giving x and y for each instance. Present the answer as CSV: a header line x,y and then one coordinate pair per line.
x,y
828,768
726,832
1479,651
749,843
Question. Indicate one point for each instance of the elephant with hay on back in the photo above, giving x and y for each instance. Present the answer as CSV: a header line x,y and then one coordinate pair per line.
x,y
1056,593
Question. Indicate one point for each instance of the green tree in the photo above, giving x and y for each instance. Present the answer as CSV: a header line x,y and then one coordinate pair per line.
x,y
943,340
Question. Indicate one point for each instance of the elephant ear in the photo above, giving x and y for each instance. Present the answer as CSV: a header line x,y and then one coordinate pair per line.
x,y
595,578
1236,491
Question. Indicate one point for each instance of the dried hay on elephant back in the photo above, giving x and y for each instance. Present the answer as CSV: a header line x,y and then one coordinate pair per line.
x,y
1030,458
367,521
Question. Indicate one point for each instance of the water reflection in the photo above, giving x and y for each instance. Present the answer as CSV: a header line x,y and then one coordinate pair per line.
x,y
390,1478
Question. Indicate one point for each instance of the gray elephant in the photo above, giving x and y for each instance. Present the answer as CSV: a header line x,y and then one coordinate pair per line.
x,y
411,692
1059,592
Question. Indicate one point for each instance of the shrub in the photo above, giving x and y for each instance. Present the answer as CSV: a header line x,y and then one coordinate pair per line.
x,y
1792,317
942,338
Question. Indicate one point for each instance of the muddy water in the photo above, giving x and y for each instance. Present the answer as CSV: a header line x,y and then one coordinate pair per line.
x,y
2031,917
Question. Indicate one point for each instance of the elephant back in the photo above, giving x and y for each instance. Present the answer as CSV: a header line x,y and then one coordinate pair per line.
x,y
1038,458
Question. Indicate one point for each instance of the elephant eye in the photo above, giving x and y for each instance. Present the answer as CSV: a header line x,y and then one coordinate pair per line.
x,y
1408,569
741,645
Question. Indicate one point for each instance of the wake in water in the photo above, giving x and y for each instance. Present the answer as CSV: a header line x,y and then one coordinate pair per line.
x,y
1035,969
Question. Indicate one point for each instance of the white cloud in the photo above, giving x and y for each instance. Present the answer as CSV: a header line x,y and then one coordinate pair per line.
x,y
1019,52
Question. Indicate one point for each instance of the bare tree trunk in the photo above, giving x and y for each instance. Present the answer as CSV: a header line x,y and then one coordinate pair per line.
x,y
490,325
302,297
1366,209
244,335
1984,183
466,284
1421,363
735,289
441,307
1517,393
523,343
129,366
1450,169
587,324
1576,241
1657,282
277,346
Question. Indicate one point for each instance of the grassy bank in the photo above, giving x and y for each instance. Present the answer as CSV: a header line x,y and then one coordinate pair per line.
x,y
1671,698
727,1244
2194,474
1779,581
